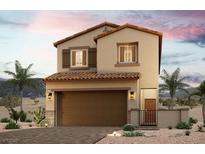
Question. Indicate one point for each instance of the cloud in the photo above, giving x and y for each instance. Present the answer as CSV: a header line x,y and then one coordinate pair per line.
x,y
198,40
194,78
177,58
177,62
185,26
203,59
60,22
12,23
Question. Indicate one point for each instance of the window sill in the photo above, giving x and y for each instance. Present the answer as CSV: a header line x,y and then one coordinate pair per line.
x,y
79,68
126,64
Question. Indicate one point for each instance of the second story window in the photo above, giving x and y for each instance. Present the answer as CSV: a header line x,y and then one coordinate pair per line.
x,y
127,53
79,58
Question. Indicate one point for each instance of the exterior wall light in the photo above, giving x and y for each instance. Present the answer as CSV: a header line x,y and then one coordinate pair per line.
x,y
132,95
49,95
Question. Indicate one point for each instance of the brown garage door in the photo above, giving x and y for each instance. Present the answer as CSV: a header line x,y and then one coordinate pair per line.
x,y
93,108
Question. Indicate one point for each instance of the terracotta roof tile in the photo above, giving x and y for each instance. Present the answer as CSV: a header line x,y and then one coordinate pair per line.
x,y
65,76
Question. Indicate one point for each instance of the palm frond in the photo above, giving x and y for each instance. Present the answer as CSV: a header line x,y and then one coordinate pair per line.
x,y
10,73
165,73
18,66
29,67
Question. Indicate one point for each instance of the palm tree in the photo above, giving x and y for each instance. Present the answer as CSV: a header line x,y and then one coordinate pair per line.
x,y
21,78
173,83
201,92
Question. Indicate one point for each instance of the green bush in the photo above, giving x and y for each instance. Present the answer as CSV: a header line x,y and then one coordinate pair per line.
x,y
128,127
192,120
132,133
23,116
5,120
12,125
28,120
187,132
15,115
183,125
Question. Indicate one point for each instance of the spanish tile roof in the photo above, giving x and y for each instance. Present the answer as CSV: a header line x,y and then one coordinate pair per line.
x,y
84,32
143,29
66,76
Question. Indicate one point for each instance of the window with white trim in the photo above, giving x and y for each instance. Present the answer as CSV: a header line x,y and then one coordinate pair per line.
x,y
79,58
127,53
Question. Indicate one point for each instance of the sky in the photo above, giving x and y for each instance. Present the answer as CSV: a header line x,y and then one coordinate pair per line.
x,y
28,36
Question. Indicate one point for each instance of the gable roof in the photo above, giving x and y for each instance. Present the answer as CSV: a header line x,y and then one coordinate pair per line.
x,y
146,30
85,31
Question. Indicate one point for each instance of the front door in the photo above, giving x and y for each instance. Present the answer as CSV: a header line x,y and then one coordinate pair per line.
x,y
150,111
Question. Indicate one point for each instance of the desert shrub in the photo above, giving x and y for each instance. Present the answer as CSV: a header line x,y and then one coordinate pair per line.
x,y
183,125
200,128
132,133
45,123
192,120
15,115
187,132
12,125
128,127
39,115
23,116
10,102
28,120
169,127
5,120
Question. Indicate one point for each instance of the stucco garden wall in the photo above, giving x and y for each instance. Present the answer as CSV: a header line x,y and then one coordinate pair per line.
x,y
165,117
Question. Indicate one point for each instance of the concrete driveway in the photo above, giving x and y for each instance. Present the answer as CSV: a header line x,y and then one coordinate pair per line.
x,y
56,135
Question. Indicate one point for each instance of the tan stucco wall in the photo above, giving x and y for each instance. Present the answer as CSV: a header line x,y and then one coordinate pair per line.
x,y
171,117
165,117
148,55
134,117
83,40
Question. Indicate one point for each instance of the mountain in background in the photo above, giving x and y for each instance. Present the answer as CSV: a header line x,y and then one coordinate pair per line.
x,y
179,94
8,89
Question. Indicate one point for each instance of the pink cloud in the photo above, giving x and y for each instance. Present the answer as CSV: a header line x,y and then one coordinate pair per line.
x,y
57,23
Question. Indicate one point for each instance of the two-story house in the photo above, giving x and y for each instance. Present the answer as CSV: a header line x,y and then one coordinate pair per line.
x,y
107,75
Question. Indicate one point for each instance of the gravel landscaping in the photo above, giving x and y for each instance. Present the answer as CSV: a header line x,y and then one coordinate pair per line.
x,y
23,125
162,136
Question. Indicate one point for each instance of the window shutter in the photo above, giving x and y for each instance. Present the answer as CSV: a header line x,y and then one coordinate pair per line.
x,y
84,57
133,53
122,53
65,58
92,57
73,58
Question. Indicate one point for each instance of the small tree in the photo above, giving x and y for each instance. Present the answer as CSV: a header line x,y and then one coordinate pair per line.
x,y
172,83
21,78
10,102
15,115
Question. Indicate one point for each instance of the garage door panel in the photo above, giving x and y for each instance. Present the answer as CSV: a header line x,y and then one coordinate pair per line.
x,y
94,108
